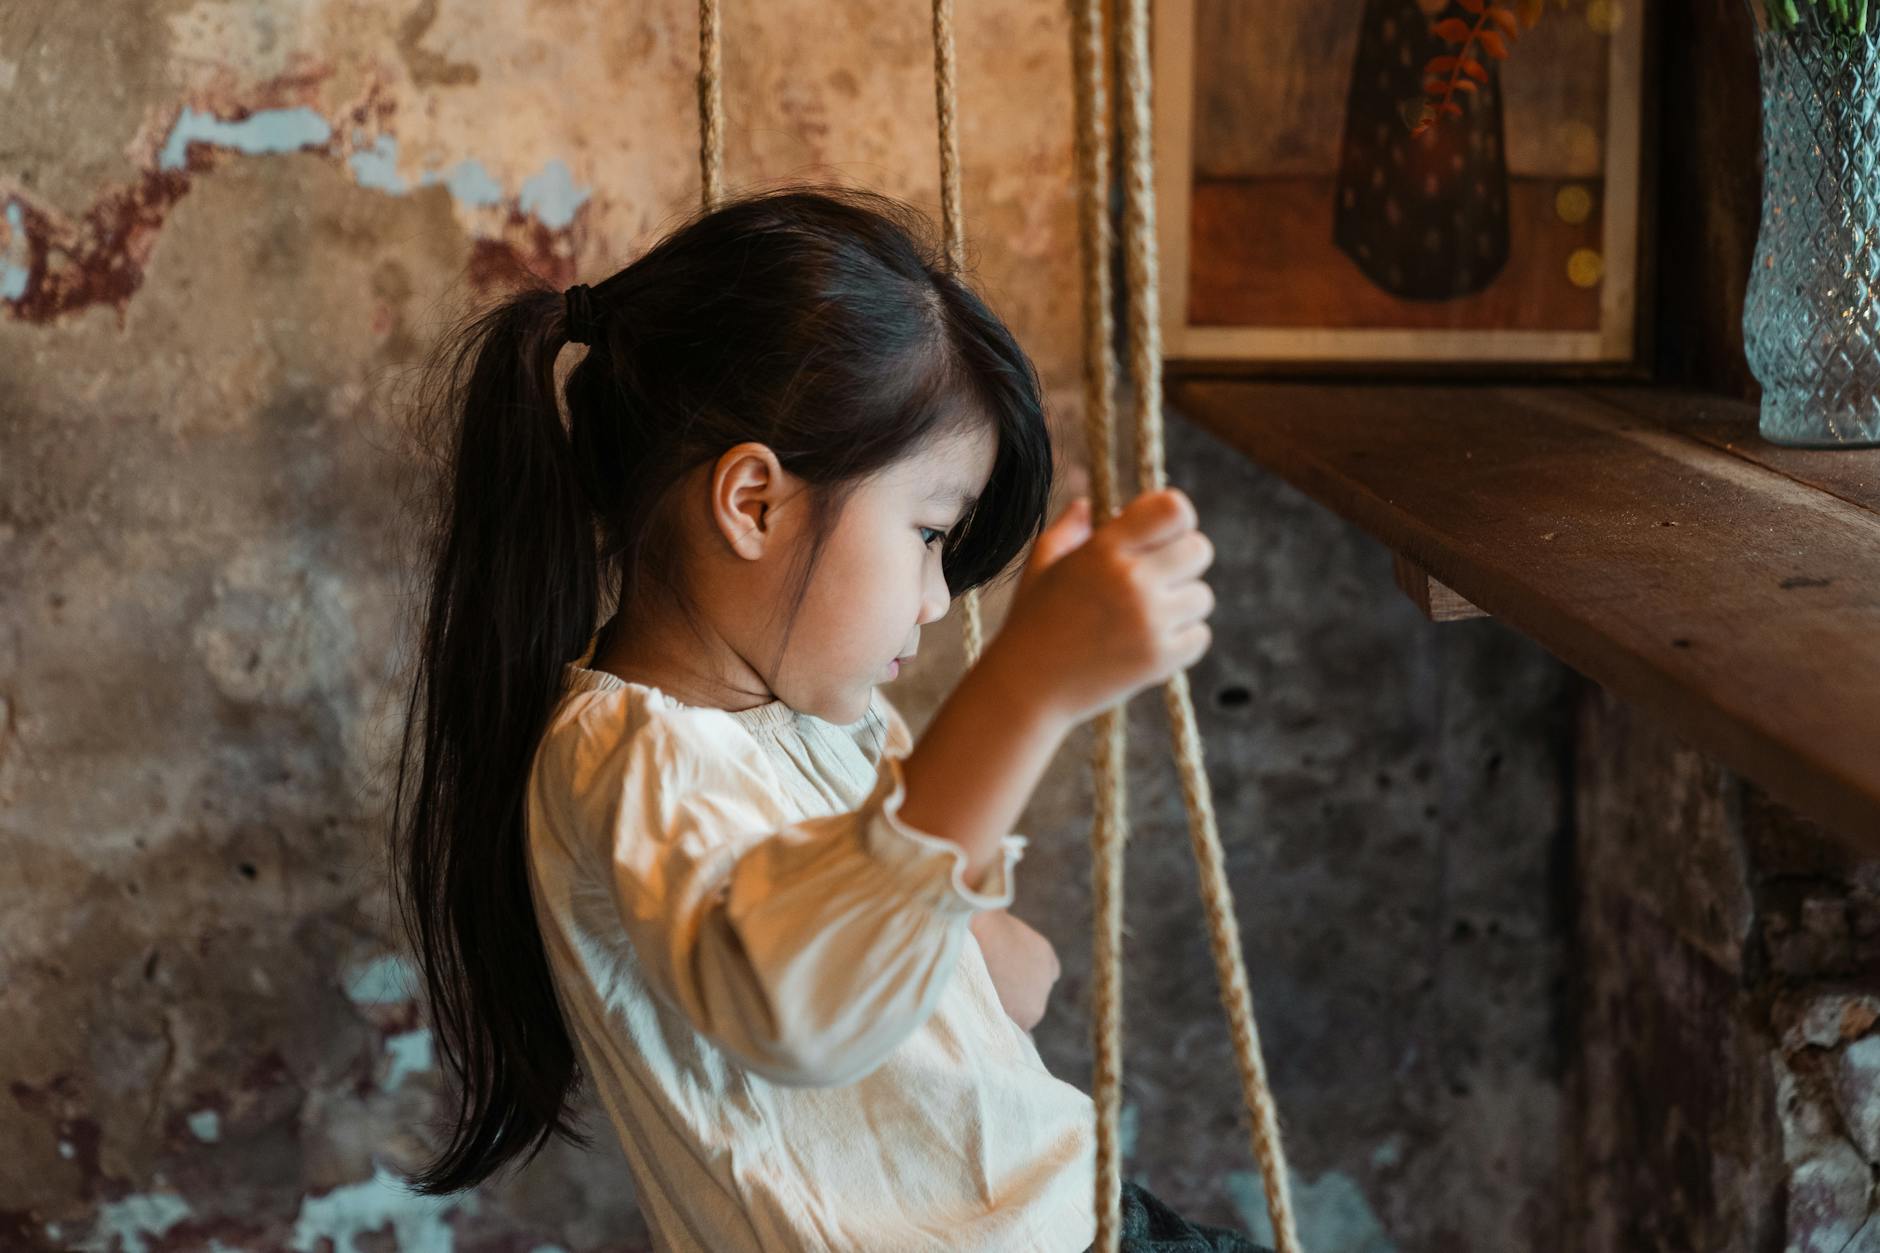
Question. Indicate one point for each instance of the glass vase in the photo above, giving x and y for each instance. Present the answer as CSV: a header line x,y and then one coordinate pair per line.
x,y
1811,327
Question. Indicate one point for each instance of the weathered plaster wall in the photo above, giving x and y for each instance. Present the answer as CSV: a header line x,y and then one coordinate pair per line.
x,y
226,229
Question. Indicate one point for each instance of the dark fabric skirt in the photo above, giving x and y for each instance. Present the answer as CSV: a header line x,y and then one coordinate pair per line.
x,y
1149,1226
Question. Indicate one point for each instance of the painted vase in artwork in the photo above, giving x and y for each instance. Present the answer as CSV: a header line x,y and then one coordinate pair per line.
x,y
1423,215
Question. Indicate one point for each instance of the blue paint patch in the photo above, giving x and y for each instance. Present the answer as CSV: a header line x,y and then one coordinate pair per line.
x,y
270,130
365,1208
122,1225
205,1125
469,182
377,167
13,264
383,981
1332,1213
411,1055
551,196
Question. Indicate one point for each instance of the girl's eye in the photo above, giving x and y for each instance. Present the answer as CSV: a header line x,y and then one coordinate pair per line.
x,y
925,531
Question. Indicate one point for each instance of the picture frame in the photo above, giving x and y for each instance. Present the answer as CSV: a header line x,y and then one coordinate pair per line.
x,y
1304,222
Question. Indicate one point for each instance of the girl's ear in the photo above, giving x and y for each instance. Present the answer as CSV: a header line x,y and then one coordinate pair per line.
x,y
747,485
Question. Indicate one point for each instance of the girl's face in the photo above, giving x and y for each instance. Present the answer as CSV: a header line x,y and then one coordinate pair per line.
x,y
879,578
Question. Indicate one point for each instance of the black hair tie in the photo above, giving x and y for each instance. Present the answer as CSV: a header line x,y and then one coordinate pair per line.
x,y
583,320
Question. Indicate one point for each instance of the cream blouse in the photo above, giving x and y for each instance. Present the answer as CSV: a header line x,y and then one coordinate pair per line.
x,y
773,988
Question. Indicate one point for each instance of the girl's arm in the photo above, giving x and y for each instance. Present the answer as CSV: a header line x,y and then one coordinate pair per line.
x,y
987,746
1022,963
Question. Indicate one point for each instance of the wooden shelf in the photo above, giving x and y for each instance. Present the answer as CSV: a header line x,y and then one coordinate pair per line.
x,y
1648,538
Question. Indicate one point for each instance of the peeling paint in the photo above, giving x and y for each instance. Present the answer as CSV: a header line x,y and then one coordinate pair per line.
x,y
205,1125
469,183
377,167
411,1055
122,1225
14,262
97,259
384,980
266,130
51,265
1332,1213
551,196
366,1207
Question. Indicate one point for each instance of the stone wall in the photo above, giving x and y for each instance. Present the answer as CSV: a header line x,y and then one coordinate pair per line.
x,y
1727,1088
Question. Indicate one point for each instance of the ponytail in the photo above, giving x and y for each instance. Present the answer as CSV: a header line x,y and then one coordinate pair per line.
x,y
510,597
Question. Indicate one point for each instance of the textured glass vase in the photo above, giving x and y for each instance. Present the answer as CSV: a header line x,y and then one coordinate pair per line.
x,y
1811,324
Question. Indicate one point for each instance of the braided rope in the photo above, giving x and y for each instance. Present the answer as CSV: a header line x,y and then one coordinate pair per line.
x,y
1109,771
1145,354
711,106
946,106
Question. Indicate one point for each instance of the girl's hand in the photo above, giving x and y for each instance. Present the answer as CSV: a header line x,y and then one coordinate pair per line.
x,y
1070,530
1100,615
1022,963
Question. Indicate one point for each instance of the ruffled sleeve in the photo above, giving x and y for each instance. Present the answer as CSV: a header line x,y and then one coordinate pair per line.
x,y
806,950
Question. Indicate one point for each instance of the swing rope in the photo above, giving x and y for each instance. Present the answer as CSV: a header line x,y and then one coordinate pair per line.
x,y
711,106
1110,830
1142,279
1145,347
945,96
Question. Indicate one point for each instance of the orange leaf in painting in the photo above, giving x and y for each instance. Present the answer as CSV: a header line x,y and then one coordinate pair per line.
x,y
1473,68
1441,65
1463,84
1452,29
1451,108
1492,44
1505,19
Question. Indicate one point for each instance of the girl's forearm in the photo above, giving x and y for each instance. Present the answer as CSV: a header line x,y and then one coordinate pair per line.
x,y
972,771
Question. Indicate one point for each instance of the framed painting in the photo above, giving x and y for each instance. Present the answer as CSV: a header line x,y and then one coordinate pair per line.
x,y
1400,184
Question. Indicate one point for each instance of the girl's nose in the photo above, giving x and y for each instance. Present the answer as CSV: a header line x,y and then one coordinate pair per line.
x,y
936,597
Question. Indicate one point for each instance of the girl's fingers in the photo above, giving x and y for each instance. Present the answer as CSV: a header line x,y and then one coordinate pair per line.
x,y
1191,602
1154,518
1183,558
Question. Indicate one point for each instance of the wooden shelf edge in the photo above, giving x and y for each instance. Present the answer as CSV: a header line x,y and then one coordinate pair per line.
x,y
1396,462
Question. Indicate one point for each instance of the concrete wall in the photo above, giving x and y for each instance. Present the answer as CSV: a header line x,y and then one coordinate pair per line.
x,y
226,231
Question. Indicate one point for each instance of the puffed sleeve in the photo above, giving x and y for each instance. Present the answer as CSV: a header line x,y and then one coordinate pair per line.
x,y
807,950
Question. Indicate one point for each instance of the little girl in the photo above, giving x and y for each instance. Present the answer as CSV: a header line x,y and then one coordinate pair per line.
x,y
695,857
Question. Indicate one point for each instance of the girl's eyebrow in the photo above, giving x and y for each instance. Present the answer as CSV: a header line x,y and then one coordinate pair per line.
x,y
959,496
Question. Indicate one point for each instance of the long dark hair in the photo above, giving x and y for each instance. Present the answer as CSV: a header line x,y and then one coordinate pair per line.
x,y
819,321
